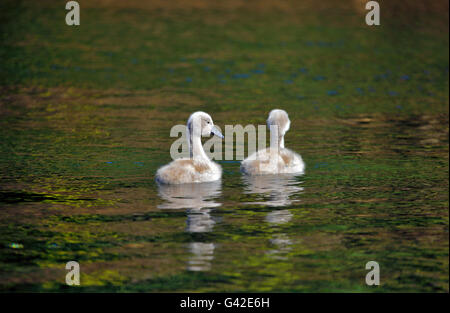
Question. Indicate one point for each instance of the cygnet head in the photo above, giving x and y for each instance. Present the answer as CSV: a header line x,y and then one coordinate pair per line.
x,y
279,118
200,124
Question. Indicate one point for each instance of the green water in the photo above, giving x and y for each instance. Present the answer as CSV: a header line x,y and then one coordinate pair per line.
x,y
85,123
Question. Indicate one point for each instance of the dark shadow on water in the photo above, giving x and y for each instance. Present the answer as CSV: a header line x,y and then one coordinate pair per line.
x,y
23,196
20,196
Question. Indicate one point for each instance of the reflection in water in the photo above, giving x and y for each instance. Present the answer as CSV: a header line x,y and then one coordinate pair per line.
x,y
279,217
198,199
281,241
273,190
190,196
199,221
282,245
201,257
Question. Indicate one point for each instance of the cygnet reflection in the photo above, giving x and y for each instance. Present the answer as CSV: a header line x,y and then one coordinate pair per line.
x,y
282,245
272,190
201,253
199,221
198,199
190,196
276,191
201,256
279,217
281,242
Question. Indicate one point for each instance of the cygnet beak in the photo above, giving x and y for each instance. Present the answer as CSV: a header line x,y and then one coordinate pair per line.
x,y
216,132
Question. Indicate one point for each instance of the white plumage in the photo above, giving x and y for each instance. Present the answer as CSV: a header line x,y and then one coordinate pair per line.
x,y
276,159
198,168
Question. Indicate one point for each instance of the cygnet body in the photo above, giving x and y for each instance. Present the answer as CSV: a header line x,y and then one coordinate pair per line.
x,y
276,159
198,168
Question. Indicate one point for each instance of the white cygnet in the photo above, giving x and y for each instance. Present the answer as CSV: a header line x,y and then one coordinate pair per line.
x,y
198,168
277,159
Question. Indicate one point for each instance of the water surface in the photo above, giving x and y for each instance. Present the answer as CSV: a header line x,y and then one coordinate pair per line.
x,y
85,119
375,188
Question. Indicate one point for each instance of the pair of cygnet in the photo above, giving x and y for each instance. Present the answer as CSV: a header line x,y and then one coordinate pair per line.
x,y
199,168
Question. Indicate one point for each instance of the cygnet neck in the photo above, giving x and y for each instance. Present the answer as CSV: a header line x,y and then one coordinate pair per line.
x,y
276,138
196,151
